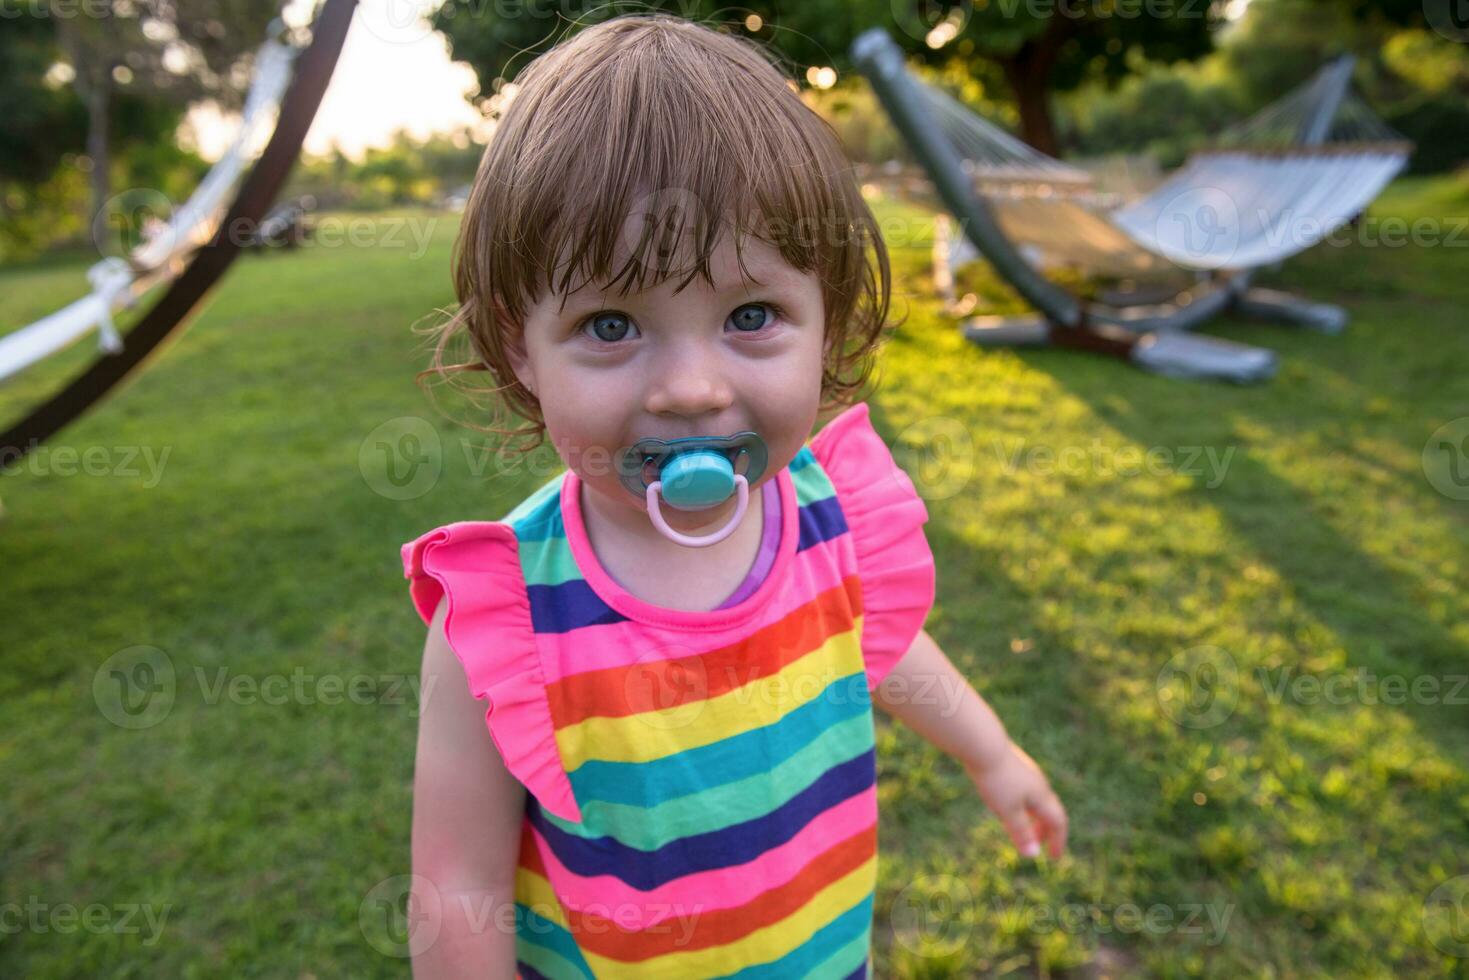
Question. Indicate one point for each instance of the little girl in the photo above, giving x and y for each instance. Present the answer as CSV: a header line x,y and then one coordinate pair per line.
x,y
648,749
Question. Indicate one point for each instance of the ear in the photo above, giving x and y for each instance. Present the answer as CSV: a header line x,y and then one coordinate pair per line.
x,y
515,349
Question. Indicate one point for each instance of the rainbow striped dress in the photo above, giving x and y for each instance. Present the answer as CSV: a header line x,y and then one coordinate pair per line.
x,y
701,785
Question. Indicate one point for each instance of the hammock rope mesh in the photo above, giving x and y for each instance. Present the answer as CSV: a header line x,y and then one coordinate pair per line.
x,y
1258,194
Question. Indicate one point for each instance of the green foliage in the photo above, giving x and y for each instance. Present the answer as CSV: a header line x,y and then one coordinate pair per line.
x,y
44,119
407,171
1165,112
1280,43
215,38
1439,125
35,215
1096,41
1039,48
41,120
1415,80
1423,59
52,213
865,130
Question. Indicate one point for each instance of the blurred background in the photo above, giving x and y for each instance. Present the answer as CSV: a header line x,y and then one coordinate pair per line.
x,y
1230,621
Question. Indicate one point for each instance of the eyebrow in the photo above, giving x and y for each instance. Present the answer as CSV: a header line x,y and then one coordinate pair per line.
x,y
773,278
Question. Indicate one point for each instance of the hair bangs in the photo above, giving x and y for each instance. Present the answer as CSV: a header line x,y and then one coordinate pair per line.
x,y
631,199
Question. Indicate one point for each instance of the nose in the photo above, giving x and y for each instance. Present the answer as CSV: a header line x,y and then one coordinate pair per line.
x,y
690,382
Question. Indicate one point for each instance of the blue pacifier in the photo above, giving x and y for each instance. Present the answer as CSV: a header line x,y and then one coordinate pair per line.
x,y
692,474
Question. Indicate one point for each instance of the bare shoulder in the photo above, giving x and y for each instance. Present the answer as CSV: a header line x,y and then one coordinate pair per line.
x,y
445,685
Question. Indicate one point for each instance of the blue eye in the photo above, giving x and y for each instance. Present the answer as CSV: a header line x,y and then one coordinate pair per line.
x,y
751,317
610,327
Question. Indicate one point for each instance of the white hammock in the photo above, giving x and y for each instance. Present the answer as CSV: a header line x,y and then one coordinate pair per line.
x,y
1241,211
1257,199
116,282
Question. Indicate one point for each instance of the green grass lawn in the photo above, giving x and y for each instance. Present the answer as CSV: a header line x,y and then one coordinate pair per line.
x,y
228,521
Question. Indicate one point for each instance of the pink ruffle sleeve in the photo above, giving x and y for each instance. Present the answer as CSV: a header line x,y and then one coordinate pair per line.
x,y
886,517
488,625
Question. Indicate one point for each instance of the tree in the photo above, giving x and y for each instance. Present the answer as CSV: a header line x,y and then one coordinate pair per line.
x,y
42,119
1036,46
1281,42
42,191
172,52
1043,46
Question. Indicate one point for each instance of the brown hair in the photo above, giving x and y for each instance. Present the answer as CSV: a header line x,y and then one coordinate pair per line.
x,y
693,127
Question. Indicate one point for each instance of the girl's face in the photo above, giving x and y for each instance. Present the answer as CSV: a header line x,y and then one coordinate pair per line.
x,y
611,369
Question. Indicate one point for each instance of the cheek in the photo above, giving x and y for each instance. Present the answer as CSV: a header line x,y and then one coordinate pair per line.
x,y
805,370
586,450
788,399
585,417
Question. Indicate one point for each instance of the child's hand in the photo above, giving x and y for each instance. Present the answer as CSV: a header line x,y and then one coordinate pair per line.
x,y
1017,791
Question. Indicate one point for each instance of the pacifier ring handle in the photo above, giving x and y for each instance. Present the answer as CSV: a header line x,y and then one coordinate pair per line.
x,y
703,540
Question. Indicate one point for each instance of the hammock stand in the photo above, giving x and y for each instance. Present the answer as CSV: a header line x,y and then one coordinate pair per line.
x,y
184,297
1151,335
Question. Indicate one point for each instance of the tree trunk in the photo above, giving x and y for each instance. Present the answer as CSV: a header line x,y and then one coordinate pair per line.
x,y
99,104
1031,98
1028,71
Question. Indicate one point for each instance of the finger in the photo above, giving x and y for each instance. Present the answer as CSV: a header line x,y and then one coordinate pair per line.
x,y
1018,823
1052,817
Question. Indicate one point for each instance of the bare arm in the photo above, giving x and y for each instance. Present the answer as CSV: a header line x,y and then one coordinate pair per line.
x,y
467,812
928,694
